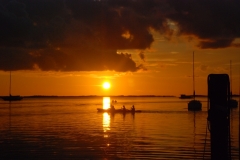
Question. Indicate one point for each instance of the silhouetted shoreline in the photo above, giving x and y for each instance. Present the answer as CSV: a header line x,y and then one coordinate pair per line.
x,y
55,96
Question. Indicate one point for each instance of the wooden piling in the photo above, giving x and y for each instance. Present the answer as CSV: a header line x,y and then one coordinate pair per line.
x,y
219,116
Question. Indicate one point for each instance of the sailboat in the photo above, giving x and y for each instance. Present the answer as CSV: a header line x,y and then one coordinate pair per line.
x,y
10,97
232,102
194,105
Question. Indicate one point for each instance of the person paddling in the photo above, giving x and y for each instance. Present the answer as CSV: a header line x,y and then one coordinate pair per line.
x,y
133,109
112,108
124,109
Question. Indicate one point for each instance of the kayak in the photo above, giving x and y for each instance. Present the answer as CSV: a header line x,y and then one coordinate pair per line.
x,y
118,110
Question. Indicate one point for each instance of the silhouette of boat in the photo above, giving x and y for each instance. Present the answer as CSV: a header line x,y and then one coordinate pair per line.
x,y
232,102
184,96
194,105
118,110
10,97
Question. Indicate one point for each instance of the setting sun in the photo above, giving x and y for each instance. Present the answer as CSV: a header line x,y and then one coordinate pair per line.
x,y
106,85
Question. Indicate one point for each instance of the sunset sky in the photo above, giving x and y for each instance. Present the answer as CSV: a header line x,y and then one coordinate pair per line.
x,y
141,47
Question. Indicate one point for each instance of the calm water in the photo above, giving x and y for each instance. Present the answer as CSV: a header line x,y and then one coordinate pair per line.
x,y
71,128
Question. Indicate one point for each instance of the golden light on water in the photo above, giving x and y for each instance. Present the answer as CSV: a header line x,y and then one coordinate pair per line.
x,y
106,102
106,122
106,116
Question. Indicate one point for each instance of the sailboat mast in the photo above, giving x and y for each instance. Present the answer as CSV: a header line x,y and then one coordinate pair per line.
x,y
193,79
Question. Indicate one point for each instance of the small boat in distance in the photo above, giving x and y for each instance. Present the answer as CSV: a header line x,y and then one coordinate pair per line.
x,y
10,97
184,96
194,105
232,102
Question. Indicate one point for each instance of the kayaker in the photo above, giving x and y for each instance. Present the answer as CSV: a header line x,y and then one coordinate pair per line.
x,y
112,108
124,109
133,108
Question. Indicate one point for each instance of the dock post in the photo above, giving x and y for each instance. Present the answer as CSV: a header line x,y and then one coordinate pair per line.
x,y
219,116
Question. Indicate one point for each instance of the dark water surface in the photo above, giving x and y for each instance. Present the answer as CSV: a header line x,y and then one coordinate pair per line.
x,y
71,128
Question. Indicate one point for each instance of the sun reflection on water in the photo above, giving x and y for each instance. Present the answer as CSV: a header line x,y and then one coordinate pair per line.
x,y
106,102
106,122
106,116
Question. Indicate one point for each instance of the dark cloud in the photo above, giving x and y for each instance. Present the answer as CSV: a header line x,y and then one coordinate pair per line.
x,y
15,59
84,35
216,23
142,55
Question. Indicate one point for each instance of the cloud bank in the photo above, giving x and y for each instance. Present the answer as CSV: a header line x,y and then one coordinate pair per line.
x,y
84,35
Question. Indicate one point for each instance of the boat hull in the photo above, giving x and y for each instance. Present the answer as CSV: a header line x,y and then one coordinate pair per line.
x,y
194,105
183,96
233,103
12,98
118,111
